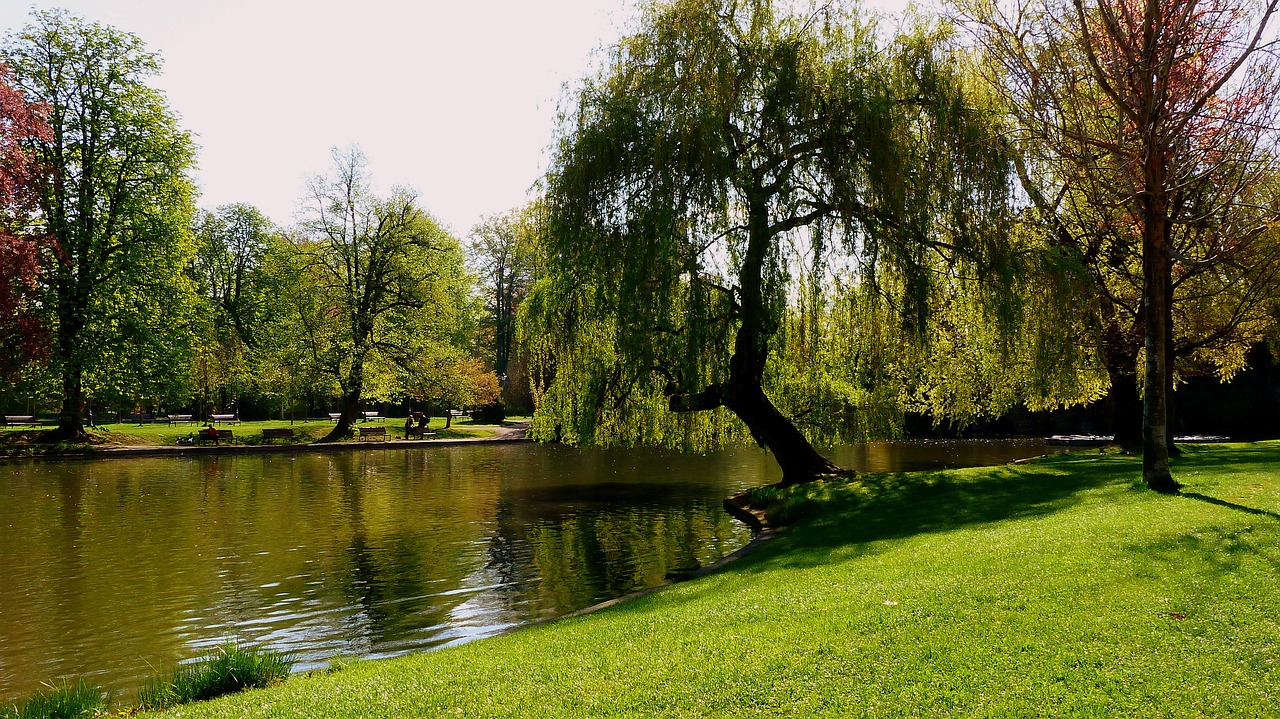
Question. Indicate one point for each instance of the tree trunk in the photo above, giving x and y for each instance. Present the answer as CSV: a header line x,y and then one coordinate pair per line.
x,y
350,410
71,418
1156,264
744,393
70,322
1170,357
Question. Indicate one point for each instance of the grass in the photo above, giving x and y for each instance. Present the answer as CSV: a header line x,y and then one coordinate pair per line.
x,y
64,701
18,441
227,670
1056,588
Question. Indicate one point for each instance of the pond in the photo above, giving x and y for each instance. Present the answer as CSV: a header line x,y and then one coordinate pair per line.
x,y
114,568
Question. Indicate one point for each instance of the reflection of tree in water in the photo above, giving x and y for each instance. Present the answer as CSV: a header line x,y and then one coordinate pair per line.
x,y
397,575
588,556
508,564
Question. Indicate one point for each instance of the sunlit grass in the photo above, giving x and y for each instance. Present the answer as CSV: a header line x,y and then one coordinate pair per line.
x,y
1057,588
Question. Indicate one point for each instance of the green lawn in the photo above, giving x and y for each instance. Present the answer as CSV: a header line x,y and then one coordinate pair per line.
x,y
1057,588
23,440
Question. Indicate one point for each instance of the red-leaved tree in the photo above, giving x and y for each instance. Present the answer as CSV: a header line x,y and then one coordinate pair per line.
x,y
20,247
1154,122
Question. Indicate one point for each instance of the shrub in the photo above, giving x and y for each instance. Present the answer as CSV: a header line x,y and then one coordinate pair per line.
x,y
226,670
68,701
489,414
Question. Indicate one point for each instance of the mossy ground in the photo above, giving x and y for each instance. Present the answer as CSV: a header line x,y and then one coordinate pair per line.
x,y
1056,588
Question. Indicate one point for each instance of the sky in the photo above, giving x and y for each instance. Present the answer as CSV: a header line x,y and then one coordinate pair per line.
x,y
457,100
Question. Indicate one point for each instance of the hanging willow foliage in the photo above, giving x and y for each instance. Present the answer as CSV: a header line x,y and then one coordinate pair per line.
x,y
759,211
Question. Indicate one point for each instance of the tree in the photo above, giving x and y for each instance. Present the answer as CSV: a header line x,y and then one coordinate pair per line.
x,y
504,250
230,244
720,135
366,269
501,246
21,124
115,199
1157,115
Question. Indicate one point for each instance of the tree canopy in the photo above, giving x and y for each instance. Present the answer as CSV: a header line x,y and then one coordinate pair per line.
x,y
721,144
1146,141
115,199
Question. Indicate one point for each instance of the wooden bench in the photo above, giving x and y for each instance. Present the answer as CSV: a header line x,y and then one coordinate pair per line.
x,y
228,418
19,420
370,416
181,419
419,431
206,435
454,413
366,432
277,433
335,416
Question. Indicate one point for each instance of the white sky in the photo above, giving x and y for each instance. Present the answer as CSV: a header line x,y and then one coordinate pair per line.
x,y
455,99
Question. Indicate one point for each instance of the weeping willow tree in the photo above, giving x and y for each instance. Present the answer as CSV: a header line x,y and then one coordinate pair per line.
x,y
719,142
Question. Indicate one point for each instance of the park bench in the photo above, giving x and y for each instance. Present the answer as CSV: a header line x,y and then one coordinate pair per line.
x,y
456,413
227,418
277,433
335,416
370,416
366,432
18,420
418,431
181,419
206,435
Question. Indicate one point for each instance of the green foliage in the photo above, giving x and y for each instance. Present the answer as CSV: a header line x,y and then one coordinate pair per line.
x,y
228,669
729,168
376,290
76,700
116,198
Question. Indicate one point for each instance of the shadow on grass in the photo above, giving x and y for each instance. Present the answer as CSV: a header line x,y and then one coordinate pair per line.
x,y
1229,505
892,506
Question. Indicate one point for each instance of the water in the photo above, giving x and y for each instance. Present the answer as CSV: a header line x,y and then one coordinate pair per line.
x,y
112,569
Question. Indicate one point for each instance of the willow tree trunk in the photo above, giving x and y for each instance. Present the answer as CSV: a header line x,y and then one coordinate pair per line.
x,y
744,393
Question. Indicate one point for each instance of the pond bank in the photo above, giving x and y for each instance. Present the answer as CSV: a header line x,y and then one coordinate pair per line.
x,y
1014,591
510,432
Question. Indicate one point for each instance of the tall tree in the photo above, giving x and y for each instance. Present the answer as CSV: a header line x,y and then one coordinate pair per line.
x,y
230,244
21,244
114,196
720,134
367,267
1157,116
504,250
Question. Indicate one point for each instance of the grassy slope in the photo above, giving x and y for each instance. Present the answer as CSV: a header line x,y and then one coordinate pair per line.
x,y
1055,588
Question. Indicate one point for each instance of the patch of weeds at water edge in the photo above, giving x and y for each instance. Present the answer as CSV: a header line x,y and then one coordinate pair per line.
x,y
226,670
76,700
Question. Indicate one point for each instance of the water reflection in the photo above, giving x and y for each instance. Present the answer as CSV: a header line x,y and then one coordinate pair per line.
x,y
114,568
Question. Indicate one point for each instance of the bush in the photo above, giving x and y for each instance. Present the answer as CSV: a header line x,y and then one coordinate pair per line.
x,y
226,670
489,414
69,701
